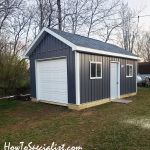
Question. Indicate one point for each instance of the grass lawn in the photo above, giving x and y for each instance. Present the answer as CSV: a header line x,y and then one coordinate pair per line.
x,y
110,126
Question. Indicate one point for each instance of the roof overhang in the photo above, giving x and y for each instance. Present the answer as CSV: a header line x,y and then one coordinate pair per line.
x,y
102,52
72,45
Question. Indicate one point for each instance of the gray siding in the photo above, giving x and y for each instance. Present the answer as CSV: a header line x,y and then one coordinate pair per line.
x,y
96,89
51,47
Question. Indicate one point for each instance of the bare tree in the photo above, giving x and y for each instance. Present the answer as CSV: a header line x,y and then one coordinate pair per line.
x,y
51,11
98,13
15,37
45,14
94,11
17,31
129,27
59,15
7,8
143,46
41,9
109,29
76,14
8,13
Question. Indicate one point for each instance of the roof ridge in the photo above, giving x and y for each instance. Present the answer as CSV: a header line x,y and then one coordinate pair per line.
x,y
88,38
77,35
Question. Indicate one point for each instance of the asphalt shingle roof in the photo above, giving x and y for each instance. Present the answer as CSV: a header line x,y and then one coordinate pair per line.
x,y
91,43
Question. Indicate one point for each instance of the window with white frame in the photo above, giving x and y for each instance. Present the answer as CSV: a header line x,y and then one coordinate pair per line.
x,y
95,70
129,70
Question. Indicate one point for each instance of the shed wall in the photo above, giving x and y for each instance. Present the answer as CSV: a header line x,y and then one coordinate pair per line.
x,y
51,47
96,89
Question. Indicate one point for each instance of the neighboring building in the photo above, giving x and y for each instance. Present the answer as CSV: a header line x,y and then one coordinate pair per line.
x,y
79,72
144,68
143,71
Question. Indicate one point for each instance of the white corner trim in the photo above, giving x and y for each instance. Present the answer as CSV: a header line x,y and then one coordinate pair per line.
x,y
32,44
77,77
136,75
118,79
85,49
73,46
36,80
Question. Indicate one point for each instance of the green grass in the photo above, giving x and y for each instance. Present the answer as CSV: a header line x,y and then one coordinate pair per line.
x,y
111,126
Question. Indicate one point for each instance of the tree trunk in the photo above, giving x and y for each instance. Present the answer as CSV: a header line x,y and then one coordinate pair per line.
x,y
41,16
59,15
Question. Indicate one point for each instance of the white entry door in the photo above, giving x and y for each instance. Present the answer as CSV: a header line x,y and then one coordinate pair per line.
x,y
51,80
114,80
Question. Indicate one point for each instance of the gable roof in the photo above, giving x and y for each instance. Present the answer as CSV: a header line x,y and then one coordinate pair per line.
x,y
81,43
91,43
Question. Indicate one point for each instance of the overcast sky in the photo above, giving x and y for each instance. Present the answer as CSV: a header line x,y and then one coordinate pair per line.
x,y
144,6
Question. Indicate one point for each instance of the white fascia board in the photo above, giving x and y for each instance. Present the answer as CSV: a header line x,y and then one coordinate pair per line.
x,y
73,46
25,57
32,44
90,50
136,77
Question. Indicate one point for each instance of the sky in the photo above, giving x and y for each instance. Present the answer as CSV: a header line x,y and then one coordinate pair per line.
x,y
144,6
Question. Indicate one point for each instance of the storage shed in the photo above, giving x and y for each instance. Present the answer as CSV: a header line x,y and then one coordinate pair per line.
x,y
79,72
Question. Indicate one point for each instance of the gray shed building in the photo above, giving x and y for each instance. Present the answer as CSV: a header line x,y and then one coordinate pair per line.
x,y
79,72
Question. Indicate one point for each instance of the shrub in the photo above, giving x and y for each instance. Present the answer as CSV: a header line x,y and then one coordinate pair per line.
x,y
14,74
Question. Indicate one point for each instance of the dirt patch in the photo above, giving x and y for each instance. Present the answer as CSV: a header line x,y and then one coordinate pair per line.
x,y
140,122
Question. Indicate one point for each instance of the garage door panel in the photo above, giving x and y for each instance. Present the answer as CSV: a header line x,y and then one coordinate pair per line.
x,y
52,80
50,90
52,96
52,76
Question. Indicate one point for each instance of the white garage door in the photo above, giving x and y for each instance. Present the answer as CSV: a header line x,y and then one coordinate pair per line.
x,y
51,79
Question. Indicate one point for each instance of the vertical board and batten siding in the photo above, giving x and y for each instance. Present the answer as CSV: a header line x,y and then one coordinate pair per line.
x,y
50,47
96,89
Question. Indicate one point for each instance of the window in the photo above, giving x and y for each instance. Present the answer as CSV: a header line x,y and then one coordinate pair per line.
x,y
95,70
129,70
